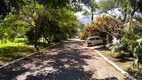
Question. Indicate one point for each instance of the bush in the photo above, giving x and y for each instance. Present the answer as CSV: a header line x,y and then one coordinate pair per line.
x,y
138,53
59,37
30,35
125,47
83,35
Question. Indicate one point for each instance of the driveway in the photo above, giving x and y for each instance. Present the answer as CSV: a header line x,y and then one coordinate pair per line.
x,y
68,60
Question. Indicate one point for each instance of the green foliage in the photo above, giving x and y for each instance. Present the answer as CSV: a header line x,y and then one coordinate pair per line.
x,y
126,45
138,27
30,35
106,4
54,3
10,53
66,20
11,28
3,8
130,33
10,6
83,35
136,6
76,7
52,19
138,53
60,36
120,54
105,25
18,48
13,50
93,7
55,24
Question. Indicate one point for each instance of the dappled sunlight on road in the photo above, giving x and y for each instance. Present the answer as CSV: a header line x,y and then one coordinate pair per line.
x,y
68,60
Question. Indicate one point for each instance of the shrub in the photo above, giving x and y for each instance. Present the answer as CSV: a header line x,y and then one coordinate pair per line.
x,y
138,54
30,35
125,47
83,35
59,37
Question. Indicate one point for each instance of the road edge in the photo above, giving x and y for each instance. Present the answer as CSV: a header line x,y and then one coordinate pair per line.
x,y
27,56
115,66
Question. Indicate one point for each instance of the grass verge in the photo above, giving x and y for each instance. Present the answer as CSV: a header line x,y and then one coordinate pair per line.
x,y
125,62
20,47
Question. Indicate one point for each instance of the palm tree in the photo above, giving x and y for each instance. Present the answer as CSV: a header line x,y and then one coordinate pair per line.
x,y
92,6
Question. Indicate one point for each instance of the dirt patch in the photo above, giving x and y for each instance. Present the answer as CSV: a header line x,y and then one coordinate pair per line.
x,y
2,62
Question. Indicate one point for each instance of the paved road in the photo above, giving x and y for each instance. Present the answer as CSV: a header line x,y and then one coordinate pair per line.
x,y
66,61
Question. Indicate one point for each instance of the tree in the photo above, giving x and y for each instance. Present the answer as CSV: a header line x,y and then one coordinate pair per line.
x,y
3,8
136,6
54,3
10,6
92,6
138,27
129,7
10,28
47,21
106,25
106,4
43,17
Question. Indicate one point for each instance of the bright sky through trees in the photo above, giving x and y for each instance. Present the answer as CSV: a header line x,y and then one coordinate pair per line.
x,y
86,19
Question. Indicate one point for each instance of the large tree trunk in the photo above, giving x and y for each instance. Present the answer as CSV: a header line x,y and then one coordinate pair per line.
x,y
46,38
125,16
92,16
35,36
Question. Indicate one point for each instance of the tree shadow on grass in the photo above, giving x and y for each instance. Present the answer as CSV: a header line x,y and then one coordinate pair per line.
x,y
101,47
41,44
125,59
21,41
10,53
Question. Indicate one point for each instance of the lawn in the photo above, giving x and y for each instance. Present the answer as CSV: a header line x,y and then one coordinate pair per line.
x,y
20,47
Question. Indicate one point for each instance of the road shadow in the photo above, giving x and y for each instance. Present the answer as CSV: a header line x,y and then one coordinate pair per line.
x,y
110,78
67,64
11,74
69,43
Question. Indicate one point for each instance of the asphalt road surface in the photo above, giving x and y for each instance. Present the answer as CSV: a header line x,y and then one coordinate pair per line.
x,y
69,60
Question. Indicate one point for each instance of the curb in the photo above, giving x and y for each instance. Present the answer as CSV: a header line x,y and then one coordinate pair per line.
x,y
27,56
115,66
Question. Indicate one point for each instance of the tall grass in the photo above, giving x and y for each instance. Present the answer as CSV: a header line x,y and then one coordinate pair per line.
x,y
10,51
20,47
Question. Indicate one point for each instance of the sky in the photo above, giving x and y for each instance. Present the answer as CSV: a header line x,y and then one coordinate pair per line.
x,y
86,19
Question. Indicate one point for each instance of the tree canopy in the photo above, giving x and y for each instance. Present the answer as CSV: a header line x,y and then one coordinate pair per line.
x,y
51,19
